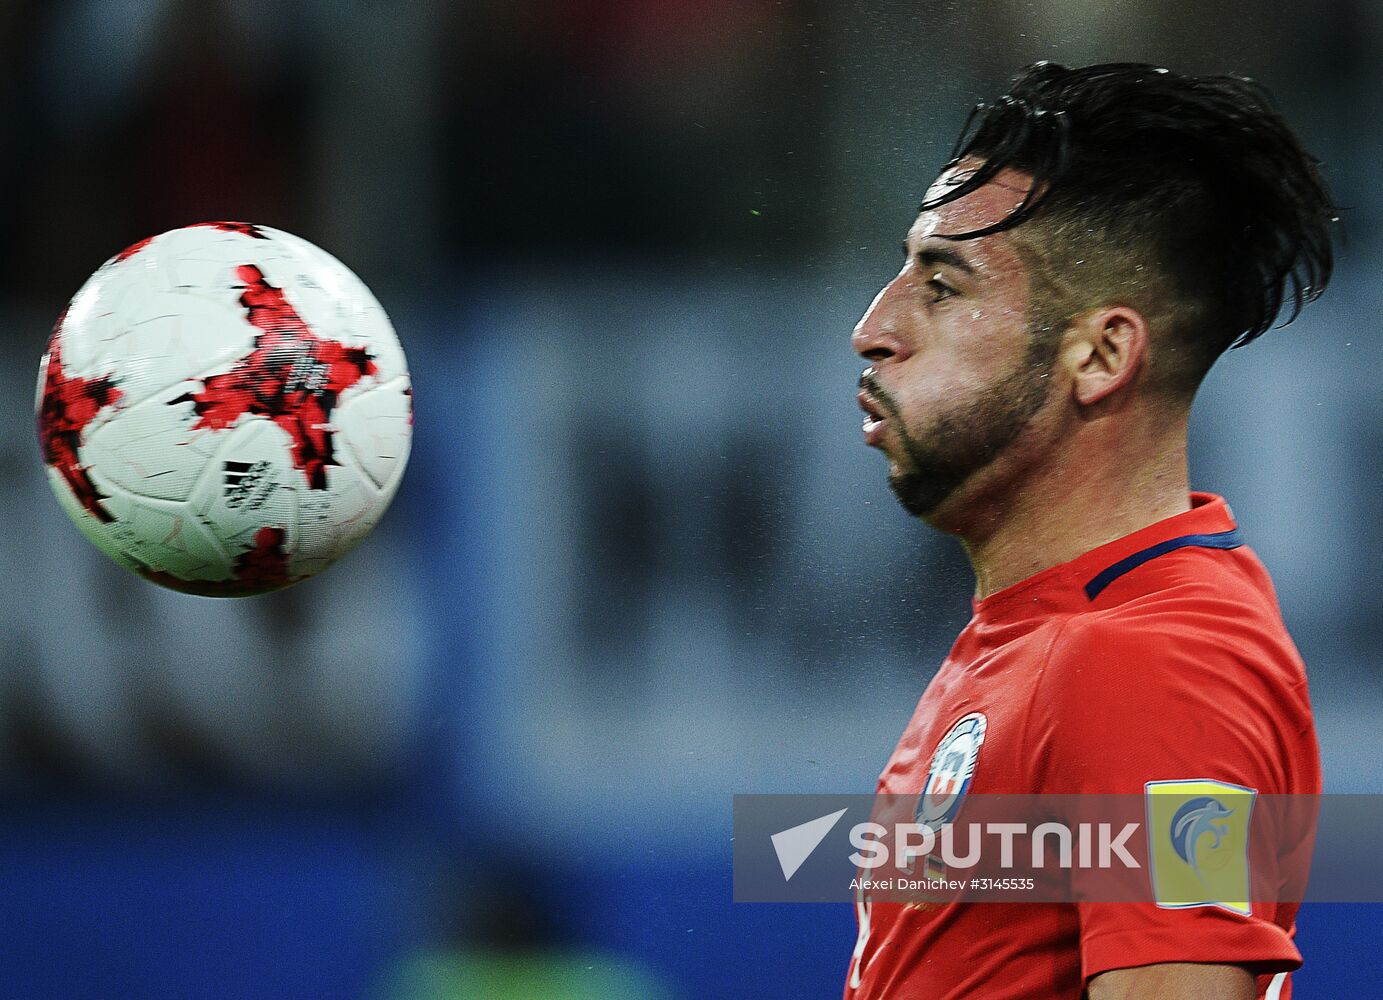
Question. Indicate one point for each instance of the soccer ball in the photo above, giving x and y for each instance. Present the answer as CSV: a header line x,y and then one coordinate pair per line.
x,y
224,409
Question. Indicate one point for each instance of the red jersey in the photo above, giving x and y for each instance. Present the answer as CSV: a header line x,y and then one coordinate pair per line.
x,y
1160,657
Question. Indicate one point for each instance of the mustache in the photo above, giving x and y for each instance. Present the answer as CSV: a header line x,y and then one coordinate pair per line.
x,y
869,383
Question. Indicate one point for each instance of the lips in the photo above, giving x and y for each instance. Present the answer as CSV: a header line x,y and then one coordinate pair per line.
x,y
874,419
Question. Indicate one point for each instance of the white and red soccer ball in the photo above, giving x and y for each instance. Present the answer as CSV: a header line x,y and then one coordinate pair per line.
x,y
224,409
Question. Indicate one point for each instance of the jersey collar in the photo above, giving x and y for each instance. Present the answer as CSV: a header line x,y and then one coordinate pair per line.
x,y
1071,585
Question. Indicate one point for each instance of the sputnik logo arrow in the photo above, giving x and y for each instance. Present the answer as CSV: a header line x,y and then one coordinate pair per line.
x,y
795,845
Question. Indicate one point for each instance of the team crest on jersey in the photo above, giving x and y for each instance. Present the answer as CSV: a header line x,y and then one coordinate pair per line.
x,y
948,779
953,766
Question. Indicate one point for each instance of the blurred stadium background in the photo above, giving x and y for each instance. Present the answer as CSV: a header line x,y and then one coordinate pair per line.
x,y
641,560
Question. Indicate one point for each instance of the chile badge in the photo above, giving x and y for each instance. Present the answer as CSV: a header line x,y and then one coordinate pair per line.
x,y
948,779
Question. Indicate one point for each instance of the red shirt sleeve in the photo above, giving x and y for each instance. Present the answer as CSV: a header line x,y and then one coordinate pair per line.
x,y
1171,694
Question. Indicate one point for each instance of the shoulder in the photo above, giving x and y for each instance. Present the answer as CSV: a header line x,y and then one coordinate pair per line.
x,y
1210,619
1191,675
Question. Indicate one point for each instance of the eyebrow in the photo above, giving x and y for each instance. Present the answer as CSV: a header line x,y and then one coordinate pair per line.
x,y
941,256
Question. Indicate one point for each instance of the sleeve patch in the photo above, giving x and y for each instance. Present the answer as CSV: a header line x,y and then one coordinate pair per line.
x,y
1198,843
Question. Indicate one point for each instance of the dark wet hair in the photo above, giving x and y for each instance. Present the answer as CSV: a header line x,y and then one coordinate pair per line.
x,y
1201,176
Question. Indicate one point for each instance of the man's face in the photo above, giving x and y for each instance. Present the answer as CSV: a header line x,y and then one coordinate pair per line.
x,y
957,372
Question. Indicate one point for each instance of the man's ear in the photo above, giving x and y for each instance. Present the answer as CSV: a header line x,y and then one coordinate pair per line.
x,y
1104,351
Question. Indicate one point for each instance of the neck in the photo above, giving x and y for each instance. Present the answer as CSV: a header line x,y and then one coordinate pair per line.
x,y
1076,505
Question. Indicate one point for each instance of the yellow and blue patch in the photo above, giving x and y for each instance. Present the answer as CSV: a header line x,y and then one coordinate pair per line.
x,y
1198,843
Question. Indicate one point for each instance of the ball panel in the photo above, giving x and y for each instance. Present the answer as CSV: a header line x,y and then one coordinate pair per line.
x,y
97,532
259,569
377,427
67,408
334,520
151,449
372,327
251,484
174,338
165,537
333,297
100,305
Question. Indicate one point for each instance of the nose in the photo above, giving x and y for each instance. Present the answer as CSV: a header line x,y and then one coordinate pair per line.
x,y
876,336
